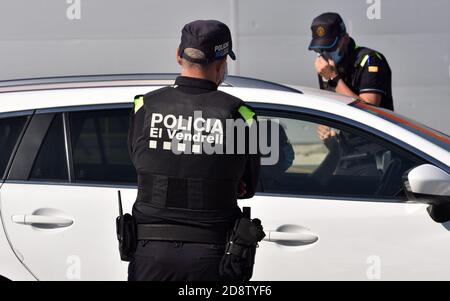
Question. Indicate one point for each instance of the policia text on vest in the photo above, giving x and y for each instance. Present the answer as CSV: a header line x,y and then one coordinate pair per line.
x,y
196,134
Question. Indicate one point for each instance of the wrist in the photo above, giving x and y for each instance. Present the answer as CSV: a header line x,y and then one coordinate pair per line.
x,y
334,80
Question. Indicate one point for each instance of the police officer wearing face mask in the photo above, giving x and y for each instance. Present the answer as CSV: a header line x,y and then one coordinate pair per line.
x,y
355,71
187,197
349,69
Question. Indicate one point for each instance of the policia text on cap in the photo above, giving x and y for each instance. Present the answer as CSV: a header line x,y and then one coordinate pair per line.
x,y
186,218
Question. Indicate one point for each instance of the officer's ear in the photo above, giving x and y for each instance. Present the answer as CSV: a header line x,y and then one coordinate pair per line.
x,y
178,57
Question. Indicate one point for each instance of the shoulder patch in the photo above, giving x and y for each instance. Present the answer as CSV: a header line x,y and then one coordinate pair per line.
x,y
138,102
373,69
247,114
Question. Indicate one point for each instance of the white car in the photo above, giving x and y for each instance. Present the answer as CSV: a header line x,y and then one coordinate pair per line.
x,y
63,157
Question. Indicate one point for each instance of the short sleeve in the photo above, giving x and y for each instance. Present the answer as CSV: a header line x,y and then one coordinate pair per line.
x,y
374,75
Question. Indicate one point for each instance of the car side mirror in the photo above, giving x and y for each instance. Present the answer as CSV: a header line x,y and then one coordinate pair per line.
x,y
430,185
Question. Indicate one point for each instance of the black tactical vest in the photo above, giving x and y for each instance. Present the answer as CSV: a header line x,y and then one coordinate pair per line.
x,y
177,179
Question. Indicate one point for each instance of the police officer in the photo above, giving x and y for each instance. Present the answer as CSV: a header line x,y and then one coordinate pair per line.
x,y
349,69
355,71
187,194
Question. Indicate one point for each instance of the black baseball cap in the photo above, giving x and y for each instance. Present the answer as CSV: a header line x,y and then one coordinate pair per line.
x,y
211,37
326,31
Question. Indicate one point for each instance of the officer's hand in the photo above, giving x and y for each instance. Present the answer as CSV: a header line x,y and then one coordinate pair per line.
x,y
242,189
327,69
324,132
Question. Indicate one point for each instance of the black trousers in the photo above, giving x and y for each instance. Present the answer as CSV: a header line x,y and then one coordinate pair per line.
x,y
175,261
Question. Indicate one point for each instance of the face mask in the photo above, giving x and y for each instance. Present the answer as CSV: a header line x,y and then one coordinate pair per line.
x,y
225,74
336,56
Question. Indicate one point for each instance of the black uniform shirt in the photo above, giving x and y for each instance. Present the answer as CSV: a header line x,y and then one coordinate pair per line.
x,y
367,71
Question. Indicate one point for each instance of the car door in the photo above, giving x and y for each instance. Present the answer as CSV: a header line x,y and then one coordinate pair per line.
x,y
347,220
59,202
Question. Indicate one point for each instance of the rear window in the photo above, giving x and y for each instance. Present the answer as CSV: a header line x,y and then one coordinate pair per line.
x,y
10,129
51,163
423,131
99,147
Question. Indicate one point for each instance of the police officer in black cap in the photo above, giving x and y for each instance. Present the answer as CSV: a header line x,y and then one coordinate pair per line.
x,y
355,71
187,194
349,69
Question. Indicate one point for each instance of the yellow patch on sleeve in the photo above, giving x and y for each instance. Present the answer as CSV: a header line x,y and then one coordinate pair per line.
x,y
373,69
247,114
138,103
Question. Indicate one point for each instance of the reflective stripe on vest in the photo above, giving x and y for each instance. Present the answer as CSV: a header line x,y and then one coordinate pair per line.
x,y
364,60
138,103
247,114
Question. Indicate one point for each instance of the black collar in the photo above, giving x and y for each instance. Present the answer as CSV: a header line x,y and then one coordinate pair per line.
x,y
193,82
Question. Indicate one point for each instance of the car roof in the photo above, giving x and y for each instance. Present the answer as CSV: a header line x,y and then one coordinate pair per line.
x,y
37,93
121,80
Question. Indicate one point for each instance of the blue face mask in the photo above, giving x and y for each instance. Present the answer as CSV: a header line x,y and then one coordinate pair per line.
x,y
225,73
336,56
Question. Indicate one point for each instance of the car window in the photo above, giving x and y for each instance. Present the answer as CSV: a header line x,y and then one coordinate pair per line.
x,y
346,164
99,146
51,161
10,129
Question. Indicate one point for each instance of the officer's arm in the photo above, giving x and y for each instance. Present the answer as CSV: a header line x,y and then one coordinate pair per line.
x,y
343,89
373,80
251,176
369,97
253,160
136,123
372,98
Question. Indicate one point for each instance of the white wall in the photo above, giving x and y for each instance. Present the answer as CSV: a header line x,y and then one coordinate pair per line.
x,y
116,36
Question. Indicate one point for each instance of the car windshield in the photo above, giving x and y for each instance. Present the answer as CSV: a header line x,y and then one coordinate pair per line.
x,y
428,133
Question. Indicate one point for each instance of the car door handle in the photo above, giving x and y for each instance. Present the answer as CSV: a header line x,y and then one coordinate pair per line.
x,y
42,221
291,237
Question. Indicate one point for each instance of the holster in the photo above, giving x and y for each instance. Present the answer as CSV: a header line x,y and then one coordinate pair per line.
x,y
239,258
126,235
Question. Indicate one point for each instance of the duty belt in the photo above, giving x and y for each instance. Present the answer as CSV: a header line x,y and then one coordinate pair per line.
x,y
180,233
